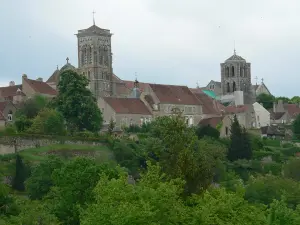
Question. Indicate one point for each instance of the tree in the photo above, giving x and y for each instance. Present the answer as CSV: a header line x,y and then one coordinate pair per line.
x,y
266,100
8,206
291,169
32,106
48,121
77,103
111,126
240,144
295,100
207,130
40,181
21,173
73,185
181,155
284,99
296,127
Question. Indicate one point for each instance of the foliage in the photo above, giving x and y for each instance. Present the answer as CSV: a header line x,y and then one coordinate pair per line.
x,y
208,131
8,206
77,103
31,107
21,174
73,185
240,145
292,168
264,189
266,100
22,123
296,127
145,128
111,126
48,121
151,201
40,181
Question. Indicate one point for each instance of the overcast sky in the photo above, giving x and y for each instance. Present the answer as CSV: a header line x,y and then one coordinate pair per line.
x,y
163,41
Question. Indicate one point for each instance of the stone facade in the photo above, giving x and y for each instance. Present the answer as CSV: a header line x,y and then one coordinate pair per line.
x,y
262,115
95,59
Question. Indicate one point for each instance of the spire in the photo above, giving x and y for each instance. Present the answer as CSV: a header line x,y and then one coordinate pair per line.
x,y
197,85
234,52
136,83
262,80
67,60
94,17
57,67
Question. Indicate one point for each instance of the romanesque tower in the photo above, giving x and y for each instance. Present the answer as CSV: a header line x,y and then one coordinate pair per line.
x,y
236,76
95,59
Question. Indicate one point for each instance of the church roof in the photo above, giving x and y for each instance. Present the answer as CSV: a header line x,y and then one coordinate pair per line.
x,y
235,57
54,78
67,66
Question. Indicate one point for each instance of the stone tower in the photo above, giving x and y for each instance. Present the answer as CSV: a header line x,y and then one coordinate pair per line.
x,y
236,76
95,59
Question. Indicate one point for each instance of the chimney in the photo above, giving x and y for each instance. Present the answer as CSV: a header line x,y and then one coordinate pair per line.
x,y
12,83
274,107
40,79
24,76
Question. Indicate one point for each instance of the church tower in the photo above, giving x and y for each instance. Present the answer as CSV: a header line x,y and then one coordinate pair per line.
x,y
95,59
236,76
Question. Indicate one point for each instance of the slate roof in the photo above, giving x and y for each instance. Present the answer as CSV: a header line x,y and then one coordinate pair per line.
x,y
174,94
235,57
276,115
54,78
293,109
127,105
271,130
40,87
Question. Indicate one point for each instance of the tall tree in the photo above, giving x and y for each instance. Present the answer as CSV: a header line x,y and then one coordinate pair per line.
x,y
266,100
296,127
240,144
32,106
77,103
20,174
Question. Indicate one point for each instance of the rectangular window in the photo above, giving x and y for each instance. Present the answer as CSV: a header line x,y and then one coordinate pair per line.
x,y
226,131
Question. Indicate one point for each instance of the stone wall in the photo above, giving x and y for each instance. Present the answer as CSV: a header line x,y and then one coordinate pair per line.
x,y
8,144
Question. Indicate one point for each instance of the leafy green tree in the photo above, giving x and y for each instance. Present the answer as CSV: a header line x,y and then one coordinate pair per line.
x,y
284,99
22,123
295,100
181,154
21,173
296,127
208,131
265,189
77,103
240,144
266,100
292,168
40,181
8,206
73,185
32,106
153,200
111,126
48,121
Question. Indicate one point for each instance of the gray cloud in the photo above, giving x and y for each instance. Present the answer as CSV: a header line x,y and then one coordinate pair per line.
x,y
176,42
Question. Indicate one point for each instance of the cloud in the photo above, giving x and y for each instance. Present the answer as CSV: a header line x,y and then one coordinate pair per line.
x,y
176,42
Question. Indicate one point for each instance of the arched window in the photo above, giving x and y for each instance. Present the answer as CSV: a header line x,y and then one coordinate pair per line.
x,y
228,87
85,56
89,75
95,57
227,72
241,72
232,71
9,116
245,71
233,87
90,56
82,57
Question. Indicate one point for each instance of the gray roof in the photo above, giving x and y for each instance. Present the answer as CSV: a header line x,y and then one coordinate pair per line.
x,y
235,57
67,66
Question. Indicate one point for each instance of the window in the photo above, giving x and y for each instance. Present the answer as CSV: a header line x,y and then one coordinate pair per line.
x,y
141,120
227,72
228,87
241,72
9,116
226,131
232,71
258,118
233,87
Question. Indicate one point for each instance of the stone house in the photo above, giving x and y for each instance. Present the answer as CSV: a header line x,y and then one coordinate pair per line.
x,y
262,115
284,112
161,100
7,112
226,126
124,111
245,115
280,118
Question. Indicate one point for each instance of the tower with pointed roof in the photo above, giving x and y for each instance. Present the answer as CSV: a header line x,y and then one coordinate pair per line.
x,y
95,59
236,76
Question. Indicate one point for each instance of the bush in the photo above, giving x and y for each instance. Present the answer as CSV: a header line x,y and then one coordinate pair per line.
x,y
290,151
85,134
207,131
271,143
22,123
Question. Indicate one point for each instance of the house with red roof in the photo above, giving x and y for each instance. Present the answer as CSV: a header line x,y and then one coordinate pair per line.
x,y
284,113
124,111
7,112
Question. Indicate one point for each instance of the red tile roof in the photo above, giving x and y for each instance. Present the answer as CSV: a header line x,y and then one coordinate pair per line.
x,y
2,116
41,87
174,94
3,105
213,122
127,105
198,90
209,105
10,91
293,109
237,109
130,84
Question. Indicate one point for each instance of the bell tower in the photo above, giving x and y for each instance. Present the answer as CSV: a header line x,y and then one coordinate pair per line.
x,y
236,76
95,59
